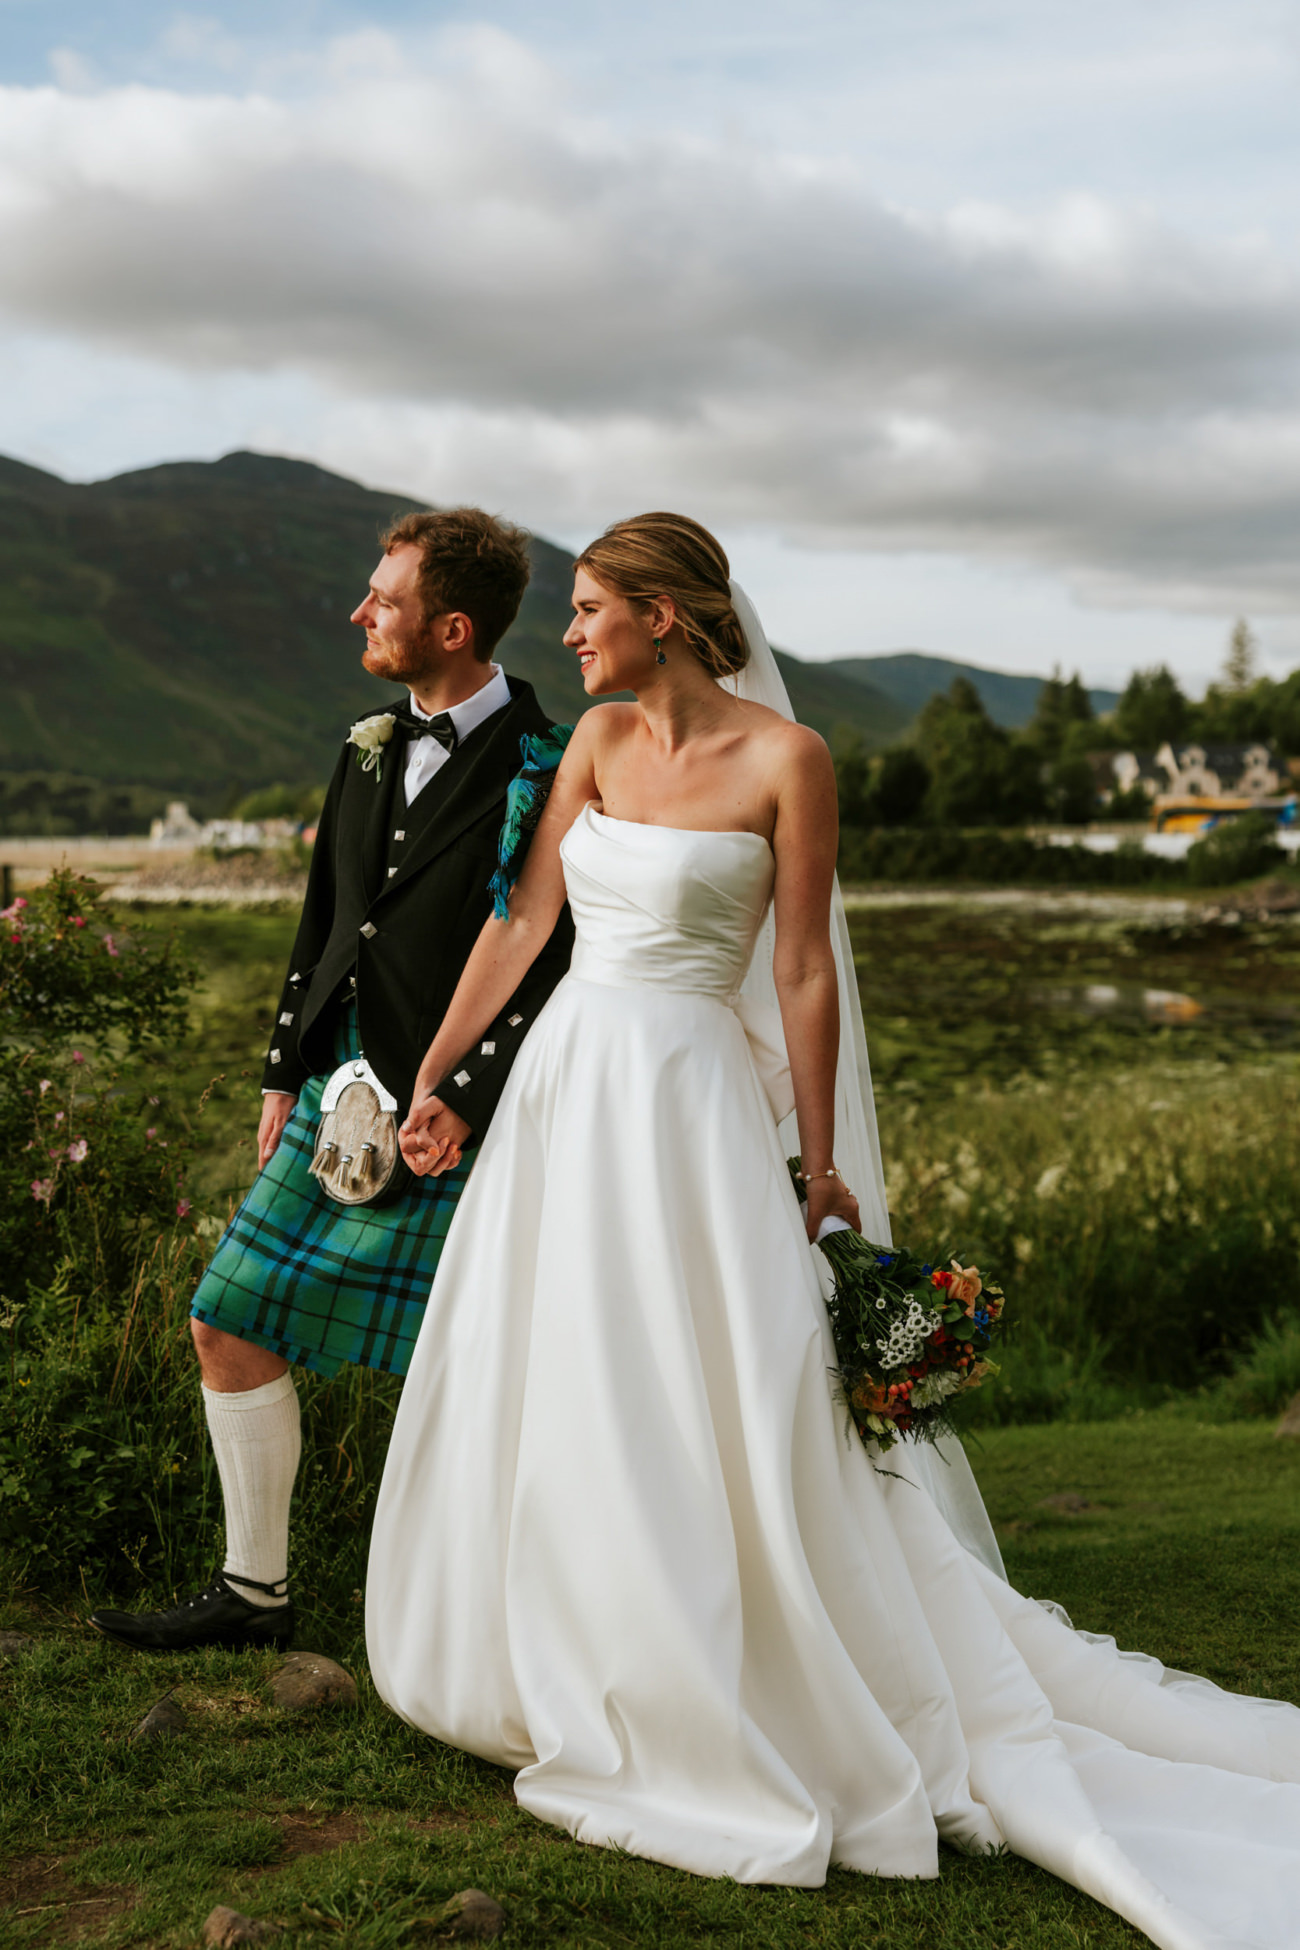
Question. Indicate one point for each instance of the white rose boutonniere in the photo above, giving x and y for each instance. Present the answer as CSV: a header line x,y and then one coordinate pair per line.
x,y
370,735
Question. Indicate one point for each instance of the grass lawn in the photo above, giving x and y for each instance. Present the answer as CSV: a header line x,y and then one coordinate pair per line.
x,y
352,1829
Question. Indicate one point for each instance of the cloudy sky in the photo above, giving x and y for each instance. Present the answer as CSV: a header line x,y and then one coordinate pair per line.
x,y
970,325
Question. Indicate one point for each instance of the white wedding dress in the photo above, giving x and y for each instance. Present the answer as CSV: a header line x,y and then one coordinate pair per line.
x,y
626,1545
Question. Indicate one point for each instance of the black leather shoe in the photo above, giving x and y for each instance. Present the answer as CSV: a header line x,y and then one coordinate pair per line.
x,y
218,1616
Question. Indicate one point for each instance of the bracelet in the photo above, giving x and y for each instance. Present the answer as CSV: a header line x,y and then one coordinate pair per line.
x,y
809,1176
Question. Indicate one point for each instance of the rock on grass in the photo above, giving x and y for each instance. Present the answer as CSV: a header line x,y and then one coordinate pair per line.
x,y
471,1916
15,1646
306,1681
164,1720
225,1928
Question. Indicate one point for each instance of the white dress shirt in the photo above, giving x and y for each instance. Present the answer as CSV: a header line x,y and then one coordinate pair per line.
x,y
426,756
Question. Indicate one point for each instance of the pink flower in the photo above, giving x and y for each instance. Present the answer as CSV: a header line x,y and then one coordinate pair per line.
x,y
45,1085
13,910
59,1116
183,1208
56,1151
42,1190
77,1150
110,946
15,937
77,1057
78,920
151,1131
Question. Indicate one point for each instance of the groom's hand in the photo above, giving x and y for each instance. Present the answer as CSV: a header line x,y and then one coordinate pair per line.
x,y
276,1106
433,1137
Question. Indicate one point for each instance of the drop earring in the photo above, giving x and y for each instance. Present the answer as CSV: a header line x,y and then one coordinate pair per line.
x,y
659,655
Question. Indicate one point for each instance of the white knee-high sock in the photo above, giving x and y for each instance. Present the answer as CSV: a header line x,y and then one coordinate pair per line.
x,y
257,1441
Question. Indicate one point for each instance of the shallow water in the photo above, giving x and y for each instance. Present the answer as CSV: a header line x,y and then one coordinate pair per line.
x,y
964,990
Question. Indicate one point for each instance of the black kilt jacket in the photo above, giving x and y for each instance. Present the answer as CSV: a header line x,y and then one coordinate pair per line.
x,y
401,914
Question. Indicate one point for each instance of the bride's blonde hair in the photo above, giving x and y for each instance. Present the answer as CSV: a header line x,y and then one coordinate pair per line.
x,y
648,557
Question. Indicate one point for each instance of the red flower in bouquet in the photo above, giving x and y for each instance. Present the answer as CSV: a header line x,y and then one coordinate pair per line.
x,y
909,1337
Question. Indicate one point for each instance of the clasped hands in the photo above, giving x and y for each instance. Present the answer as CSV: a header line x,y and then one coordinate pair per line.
x,y
433,1137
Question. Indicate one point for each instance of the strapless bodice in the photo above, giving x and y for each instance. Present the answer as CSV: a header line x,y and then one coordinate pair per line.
x,y
663,907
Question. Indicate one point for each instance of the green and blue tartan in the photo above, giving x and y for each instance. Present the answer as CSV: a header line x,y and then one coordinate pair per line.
x,y
325,1284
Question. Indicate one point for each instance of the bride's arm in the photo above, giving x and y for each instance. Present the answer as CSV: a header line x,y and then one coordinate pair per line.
x,y
506,950
805,841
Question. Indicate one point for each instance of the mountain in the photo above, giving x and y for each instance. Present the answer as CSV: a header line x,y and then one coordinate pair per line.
x,y
910,677
834,702
185,627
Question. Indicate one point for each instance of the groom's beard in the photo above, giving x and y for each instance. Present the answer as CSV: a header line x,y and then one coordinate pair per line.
x,y
401,660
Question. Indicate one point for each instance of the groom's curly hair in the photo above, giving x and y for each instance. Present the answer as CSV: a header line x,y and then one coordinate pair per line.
x,y
469,561
648,557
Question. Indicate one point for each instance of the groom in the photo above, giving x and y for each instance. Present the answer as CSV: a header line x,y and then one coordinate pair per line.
x,y
396,896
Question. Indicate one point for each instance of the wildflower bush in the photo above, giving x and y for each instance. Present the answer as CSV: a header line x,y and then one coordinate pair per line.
x,y
107,1483
92,1172
106,1478
1147,1226
89,1166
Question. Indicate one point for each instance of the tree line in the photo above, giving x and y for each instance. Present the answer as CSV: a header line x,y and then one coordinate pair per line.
x,y
957,767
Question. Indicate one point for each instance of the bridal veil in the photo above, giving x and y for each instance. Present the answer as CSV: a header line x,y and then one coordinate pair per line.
x,y
942,1469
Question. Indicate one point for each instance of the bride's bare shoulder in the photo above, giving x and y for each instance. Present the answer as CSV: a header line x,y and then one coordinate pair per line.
x,y
606,721
600,727
788,743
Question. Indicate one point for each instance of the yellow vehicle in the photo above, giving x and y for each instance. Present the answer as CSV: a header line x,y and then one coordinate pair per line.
x,y
1183,813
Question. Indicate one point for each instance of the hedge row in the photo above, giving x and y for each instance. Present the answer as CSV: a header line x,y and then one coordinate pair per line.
x,y
1241,850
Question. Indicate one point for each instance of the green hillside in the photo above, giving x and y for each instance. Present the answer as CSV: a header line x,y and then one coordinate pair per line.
x,y
185,628
910,677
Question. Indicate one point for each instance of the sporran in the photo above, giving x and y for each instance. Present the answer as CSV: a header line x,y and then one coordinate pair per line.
x,y
358,1160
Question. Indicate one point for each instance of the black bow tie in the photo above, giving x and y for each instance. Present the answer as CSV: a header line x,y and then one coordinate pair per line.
x,y
439,727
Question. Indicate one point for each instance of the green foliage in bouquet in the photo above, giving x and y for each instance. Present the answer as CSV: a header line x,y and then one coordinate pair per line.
x,y
910,1338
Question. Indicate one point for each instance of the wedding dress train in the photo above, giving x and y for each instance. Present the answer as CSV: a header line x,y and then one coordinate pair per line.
x,y
626,1545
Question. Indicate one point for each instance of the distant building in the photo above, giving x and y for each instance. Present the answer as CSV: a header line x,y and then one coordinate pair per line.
x,y
1211,771
1201,771
178,827
1131,769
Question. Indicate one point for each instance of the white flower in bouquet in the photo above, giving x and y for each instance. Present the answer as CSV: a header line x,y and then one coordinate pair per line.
x,y
935,1388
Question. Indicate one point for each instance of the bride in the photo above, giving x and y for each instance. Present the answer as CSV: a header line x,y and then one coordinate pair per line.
x,y
624,1542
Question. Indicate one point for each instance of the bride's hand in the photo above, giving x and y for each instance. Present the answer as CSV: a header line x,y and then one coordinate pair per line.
x,y
433,1137
828,1198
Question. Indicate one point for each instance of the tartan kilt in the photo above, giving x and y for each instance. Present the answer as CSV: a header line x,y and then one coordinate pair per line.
x,y
325,1284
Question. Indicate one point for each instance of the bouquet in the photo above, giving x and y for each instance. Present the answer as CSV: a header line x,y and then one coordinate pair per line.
x,y
910,1338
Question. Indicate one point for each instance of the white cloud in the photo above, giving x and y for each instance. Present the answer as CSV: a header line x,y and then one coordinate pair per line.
x,y
494,291
72,71
201,40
